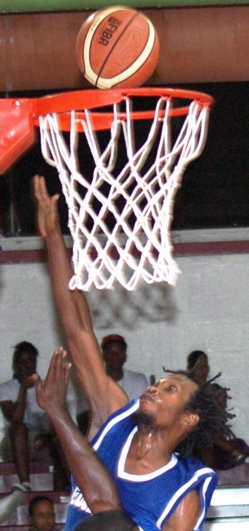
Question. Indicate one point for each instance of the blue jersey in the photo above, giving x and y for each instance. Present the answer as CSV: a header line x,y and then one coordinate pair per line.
x,y
149,499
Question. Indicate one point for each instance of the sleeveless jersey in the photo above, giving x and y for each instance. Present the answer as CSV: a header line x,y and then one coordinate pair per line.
x,y
149,499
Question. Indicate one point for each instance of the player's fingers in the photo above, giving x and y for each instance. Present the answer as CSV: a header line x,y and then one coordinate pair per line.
x,y
42,186
59,363
53,367
37,380
67,370
53,203
63,367
36,186
44,192
40,190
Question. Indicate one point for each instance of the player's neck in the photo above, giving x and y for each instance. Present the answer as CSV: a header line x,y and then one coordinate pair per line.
x,y
153,442
147,453
143,446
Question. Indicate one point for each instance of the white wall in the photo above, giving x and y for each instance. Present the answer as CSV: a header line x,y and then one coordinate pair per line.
x,y
208,310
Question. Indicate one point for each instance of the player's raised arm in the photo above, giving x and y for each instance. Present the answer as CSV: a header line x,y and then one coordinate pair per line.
x,y
92,477
103,394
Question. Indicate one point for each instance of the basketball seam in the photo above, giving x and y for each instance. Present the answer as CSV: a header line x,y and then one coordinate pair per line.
x,y
113,46
131,74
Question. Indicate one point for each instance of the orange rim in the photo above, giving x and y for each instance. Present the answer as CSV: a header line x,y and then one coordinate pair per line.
x,y
20,115
62,104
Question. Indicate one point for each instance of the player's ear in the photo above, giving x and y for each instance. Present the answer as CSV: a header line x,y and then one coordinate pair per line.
x,y
191,419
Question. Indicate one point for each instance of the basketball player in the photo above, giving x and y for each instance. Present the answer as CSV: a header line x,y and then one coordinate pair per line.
x,y
135,441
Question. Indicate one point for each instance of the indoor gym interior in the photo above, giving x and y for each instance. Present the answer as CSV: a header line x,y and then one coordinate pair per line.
x,y
204,45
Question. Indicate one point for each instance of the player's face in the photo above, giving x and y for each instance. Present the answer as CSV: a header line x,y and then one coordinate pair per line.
x,y
166,400
43,517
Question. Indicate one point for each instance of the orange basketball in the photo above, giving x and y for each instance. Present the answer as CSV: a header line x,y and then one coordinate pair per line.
x,y
117,47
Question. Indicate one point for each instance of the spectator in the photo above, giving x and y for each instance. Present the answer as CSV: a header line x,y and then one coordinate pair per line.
x,y
114,353
28,432
41,514
197,363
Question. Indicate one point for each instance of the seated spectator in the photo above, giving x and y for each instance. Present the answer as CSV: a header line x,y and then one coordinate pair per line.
x,y
224,452
41,514
29,435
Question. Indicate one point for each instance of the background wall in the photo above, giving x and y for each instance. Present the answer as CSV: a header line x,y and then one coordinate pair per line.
x,y
198,44
207,310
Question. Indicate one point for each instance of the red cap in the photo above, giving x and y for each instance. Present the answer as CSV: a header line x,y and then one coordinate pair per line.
x,y
112,338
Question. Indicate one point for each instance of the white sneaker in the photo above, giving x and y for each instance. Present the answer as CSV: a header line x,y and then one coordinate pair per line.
x,y
23,487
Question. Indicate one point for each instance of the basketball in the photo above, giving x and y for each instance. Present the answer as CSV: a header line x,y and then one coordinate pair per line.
x,y
117,47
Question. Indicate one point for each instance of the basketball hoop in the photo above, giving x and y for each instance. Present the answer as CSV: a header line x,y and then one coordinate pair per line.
x,y
120,185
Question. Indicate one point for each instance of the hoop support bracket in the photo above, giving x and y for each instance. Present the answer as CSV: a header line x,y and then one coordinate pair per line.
x,y
17,131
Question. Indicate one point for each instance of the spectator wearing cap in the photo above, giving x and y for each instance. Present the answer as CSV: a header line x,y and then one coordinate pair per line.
x,y
114,353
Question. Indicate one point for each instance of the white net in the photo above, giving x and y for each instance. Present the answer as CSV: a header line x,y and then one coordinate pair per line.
x,y
121,203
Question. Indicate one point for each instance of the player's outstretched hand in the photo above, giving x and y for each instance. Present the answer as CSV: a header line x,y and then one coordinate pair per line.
x,y
47,211
51,394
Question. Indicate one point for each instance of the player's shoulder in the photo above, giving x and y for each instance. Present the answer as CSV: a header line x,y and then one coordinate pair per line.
x,y
196,468
120,416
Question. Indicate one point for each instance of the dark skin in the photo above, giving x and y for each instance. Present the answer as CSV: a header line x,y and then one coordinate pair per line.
x,y
114,355
43,516
201,368
90,474
152,447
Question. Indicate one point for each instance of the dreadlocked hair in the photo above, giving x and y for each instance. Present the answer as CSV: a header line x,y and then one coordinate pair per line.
x,y
213,417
